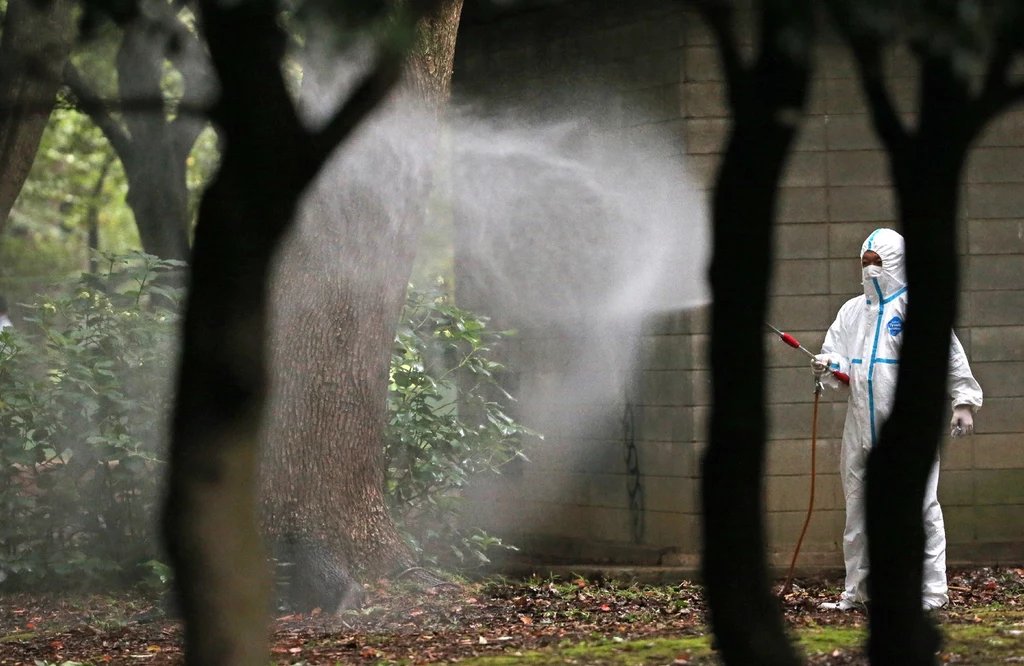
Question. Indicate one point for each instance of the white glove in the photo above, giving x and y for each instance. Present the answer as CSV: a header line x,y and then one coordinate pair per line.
x,y
962,423
820,365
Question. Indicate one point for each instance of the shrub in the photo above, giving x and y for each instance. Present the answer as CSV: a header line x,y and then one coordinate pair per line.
x,y
83,398
447,424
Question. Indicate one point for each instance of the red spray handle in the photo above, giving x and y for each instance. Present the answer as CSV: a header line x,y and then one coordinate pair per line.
x,y
795,344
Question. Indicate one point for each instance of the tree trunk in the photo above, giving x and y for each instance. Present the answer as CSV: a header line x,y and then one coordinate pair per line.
x,y
926,171
323,482
269,159
744,614
154,157
35,44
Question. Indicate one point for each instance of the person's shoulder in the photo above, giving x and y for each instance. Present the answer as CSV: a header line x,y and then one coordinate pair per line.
x,y
855,304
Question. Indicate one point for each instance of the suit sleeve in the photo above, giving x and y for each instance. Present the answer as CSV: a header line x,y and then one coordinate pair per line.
x,y
963,387
835,347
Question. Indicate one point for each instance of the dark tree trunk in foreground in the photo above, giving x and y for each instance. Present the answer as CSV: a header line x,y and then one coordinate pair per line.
x,y
766,98
339,289
926,164
35,44
269,158
153,149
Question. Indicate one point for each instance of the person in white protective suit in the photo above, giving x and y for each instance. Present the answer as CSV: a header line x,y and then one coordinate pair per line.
x,y
864,342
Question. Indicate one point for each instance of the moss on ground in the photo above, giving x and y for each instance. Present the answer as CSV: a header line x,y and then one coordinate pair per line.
x,y
695,650
992,636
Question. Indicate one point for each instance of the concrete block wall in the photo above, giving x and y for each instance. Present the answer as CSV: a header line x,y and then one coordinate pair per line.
x,y
658,73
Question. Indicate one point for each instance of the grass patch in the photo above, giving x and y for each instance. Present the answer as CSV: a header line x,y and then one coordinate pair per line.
x,y
696,649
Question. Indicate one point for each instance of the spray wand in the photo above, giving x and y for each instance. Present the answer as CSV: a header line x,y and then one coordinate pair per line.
x,y
795,344
844,378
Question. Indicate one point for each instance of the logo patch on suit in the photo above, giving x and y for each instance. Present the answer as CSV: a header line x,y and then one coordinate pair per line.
x,y
895,326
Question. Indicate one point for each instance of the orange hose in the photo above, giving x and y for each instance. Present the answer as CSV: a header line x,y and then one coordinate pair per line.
x,y
810,508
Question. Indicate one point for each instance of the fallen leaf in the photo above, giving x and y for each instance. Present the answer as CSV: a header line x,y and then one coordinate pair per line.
x,y
482,641
606,608
153,648
316,611
295,650
525,620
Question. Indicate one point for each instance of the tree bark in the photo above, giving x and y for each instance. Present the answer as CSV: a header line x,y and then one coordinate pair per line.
x,y
269,159
765,98
36,42
153,149
926,168
323,483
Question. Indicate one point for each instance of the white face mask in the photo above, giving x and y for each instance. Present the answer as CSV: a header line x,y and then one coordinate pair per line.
x,y
870,272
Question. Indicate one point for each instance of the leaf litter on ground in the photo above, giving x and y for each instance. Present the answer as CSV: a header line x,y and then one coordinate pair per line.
x,y
472,621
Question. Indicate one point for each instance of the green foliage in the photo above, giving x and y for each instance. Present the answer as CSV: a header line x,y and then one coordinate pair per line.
x,y
83,397
447,424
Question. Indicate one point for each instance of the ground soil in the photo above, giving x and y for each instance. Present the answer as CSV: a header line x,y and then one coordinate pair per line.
x,y
535,621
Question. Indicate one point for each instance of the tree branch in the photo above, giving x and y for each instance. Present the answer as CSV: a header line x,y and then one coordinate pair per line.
x,y
90,103
368,94
868,56
718,14
997,95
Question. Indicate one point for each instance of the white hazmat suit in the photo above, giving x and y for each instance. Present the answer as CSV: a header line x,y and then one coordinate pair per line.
x,y
864,342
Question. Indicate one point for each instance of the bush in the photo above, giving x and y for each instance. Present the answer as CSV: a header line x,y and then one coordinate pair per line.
x,y
83,398
447,423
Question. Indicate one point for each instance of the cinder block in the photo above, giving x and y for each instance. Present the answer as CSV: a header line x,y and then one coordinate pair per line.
x,y
845,240
664,424
995,308
654,68
957,454
959,523
998,451
790,385
844,276
669,459
999,522
812,133
862,204
995,200
702,64
996,272
793,421
699,344
803,204
956,488
1000,486
705,100
666,352
858,167
1002,415
792,457
781,355
826,528
801,241
703,168
851,132
607,490
800,276
706,135
1001,380
800,313
672,529
702,387
995,236
1006,130
662,493
792,493
805,169
995,165
834,62
665,387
